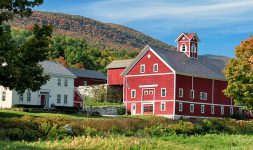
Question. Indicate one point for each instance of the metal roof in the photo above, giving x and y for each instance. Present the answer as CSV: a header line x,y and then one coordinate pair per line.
x,y
206,66
55,68
120,63
88,73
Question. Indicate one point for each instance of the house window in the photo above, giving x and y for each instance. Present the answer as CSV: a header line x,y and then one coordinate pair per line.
x,y
163,106
181,107
65,99
65,82
28,94
163,92
58,98
192,108
212,109
148,108
59,82
181,92
192,94
203,95
155,67
3,96
133,93
142,69
222,110
231,111
183,48
202,109
85,83
240,111
21,97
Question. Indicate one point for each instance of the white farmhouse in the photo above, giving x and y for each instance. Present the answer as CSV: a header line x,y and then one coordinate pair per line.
x,y
58,91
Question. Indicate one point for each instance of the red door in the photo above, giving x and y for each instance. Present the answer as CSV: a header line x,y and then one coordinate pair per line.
x,y
42,100
148,94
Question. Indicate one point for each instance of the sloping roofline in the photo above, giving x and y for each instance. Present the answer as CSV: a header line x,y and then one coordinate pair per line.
x,y
184,34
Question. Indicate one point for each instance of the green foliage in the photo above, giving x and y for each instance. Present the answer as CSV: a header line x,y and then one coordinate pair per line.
x,y
22,56
122,110
239,74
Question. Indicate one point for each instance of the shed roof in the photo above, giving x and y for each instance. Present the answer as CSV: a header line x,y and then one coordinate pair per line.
x,y
120,63
88,73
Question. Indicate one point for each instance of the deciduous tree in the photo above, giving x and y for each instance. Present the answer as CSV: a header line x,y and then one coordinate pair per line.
x,y
239,74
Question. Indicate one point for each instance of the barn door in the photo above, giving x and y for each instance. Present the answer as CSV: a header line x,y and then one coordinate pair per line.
x,y
148,94
133,109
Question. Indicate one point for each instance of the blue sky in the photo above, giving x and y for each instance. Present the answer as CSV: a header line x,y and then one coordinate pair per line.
x,y
220,24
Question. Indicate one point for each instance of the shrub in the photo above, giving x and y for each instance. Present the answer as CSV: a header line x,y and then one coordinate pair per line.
x,y
121,110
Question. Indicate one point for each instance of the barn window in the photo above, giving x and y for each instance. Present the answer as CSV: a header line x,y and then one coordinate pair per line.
x,y
145,92
183,47
65,99
59,82
28,94
21,97
163,106
150,92
3,96
65,82
181,92
202,109
155,68
163,92
133,93
212,109
192,108
192,94
142,69
148,108
193,48
231,111
203,95
181,107
58,98
222,110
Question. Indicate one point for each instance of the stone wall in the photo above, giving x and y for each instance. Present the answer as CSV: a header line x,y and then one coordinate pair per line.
x,y
105,110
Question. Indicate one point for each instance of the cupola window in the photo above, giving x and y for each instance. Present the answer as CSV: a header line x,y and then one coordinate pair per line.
x,y
183,48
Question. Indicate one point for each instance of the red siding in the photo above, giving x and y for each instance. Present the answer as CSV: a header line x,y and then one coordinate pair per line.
x,y
114,77
80,81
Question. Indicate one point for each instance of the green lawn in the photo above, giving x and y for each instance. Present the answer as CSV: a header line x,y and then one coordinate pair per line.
x,y
13,113
216,142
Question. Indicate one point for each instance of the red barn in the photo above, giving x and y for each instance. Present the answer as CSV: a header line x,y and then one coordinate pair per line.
x,y
175,83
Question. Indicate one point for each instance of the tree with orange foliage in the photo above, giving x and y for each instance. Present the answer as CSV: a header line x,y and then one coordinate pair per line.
x,y
239,74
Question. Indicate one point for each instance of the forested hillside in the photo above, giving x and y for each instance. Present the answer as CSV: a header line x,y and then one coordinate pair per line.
x,y
104,36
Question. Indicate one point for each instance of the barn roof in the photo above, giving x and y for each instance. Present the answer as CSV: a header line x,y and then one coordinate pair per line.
x,y
55,68
189,36
206,66
120,63
87,73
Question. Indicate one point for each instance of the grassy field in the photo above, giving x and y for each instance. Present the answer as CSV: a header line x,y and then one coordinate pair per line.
x,y
229,142
13,113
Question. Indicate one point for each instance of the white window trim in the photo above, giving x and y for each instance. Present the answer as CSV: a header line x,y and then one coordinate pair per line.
x,y
151,92
133,96
59,99
145,92
201,95
65,82
65,96
162,92
231,111
59,82
202,106
142,66
192,108
85,83
181,90
192,96
222,110
154,67
163,103
180,107
212,110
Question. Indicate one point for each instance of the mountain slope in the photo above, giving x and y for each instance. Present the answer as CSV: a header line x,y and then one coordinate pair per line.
x,y
102,35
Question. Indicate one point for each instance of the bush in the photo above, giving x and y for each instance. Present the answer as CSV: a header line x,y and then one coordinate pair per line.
x,y
121,110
